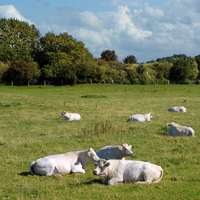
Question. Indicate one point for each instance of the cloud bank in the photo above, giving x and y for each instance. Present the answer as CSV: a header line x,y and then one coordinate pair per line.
x,y
9,11
129,27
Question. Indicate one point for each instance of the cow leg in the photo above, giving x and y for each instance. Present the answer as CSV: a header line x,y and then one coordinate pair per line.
x,y
114,181
77,169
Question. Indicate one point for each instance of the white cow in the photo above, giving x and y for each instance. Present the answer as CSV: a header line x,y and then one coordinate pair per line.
x,y
177,109
70,116
140,117
70,162
126,171
174,129
115,152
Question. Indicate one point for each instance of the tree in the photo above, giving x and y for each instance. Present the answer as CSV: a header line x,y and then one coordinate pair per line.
x,y
162,70
18,40
60,69
109,55
60,56
21,72
146,73
183,70
131,59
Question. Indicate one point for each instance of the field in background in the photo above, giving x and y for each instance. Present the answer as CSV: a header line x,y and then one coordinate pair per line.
x,y
30,128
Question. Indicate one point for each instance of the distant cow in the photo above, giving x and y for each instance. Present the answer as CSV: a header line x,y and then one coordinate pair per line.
x,y
115,152
122,171
174,129
140,117
70,116
177,109
70,162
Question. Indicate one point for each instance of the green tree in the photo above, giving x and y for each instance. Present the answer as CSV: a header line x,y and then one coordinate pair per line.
x,y
131,59
183,70
146,73
109,55
60,69
162,70
60,56
21,72
18,40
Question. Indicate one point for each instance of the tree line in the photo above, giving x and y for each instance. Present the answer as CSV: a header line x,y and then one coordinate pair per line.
x,y
26,57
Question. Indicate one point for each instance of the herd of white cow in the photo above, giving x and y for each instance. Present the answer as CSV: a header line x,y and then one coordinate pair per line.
x,y
109,161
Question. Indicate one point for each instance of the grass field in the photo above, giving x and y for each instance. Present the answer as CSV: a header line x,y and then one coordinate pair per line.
x,y
30,128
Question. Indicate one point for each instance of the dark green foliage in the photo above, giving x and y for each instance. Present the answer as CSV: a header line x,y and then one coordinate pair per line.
x,y
109,55
21,72
172,59
184,70
131,59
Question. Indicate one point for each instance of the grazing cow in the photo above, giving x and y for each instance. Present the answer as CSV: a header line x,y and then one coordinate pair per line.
x,y
70,116
140,117
177,109
174,129
70,162
115,152
126,171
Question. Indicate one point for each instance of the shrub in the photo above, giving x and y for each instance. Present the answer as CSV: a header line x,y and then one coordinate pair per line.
x,y
21,72
183,70
3,69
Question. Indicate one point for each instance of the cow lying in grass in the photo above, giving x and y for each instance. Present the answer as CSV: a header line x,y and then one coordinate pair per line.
x,y
177,109
115,152
70,116
125,171
140,117
174,129
70,162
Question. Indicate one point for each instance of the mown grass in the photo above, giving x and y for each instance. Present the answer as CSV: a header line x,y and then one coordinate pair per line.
x,y
30,128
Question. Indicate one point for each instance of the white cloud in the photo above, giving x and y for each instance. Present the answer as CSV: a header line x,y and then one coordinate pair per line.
x,y
125,24
129,27
94,38
90,19
9,11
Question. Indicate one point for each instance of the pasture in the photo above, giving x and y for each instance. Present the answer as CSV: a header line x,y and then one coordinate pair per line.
x,y
30,127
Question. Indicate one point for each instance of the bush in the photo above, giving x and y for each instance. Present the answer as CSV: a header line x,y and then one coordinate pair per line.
x,y
21,72
3,69
183,70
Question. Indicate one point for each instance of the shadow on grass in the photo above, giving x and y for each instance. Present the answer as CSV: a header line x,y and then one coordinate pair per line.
x,y
27,173
92,181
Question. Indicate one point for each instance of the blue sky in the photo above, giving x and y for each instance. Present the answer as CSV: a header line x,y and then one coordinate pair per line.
x,y
146,28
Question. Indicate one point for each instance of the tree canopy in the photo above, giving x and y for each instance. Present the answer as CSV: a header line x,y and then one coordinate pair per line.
x,y
26,56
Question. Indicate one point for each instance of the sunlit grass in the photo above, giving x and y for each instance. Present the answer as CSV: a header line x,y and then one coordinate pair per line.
x,y
30,127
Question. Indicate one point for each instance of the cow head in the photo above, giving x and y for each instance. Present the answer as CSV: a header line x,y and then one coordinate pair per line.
x,y
101,168
149,116
183,109
127,150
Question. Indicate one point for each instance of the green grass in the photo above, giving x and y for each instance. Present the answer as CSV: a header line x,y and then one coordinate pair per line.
x,y
30,128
